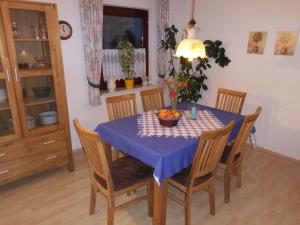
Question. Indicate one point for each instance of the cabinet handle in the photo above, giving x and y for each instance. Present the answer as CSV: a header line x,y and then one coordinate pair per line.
x,y
3,172
7,75
2,154
16,75
48,142
51,157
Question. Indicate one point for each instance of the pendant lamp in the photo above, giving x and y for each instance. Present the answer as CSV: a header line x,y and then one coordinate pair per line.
x,y
191,47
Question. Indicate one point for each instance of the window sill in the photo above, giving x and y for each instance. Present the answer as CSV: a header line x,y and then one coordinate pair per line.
x,y
123,90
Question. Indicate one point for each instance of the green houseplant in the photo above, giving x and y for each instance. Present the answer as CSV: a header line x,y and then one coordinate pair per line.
x,y
193,77
126,56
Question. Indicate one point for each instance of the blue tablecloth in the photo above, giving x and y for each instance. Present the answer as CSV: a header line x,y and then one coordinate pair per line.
x,y
167,155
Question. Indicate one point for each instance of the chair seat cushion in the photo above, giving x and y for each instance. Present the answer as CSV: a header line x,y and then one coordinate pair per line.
x,y
126,172
226,154
183,177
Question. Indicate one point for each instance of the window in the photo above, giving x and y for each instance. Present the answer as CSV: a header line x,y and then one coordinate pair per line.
x,y
124,23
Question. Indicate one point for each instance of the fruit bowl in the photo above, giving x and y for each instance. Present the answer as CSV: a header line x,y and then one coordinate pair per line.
x,y
168,117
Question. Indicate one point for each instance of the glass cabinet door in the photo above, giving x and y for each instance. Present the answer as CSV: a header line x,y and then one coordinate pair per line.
x,y
34,68
9,120
30,33
39,101
7,123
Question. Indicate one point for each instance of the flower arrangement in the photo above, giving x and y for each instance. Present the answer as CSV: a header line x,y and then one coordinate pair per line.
x,y
176,85
126,56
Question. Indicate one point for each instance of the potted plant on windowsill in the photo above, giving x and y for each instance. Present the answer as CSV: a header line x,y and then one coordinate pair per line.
x,y
126,56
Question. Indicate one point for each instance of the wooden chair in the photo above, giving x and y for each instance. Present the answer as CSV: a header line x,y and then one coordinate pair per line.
x,y
230,100
202,173
114,179
119,107
232,157
153,99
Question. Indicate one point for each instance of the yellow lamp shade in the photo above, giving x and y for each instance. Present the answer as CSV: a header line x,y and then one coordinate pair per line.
x,y
191,49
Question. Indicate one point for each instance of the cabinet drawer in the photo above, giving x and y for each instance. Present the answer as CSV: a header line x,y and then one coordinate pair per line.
x,y
10,151
44,144
10,171
47,161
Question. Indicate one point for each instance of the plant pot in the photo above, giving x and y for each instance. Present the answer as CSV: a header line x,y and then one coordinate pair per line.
x,y
129,84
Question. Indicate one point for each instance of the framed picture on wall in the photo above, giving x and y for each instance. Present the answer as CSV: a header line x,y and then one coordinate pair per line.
x,y
257,42
286,43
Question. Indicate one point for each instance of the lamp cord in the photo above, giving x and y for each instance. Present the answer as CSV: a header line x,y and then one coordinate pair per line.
x,y
193,9
192,21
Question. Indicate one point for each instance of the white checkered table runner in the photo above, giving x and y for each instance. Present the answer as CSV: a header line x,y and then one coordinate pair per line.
x,y
149,125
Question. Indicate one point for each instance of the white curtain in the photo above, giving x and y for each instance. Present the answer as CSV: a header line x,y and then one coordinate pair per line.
x,y
162,22
92,28
111,64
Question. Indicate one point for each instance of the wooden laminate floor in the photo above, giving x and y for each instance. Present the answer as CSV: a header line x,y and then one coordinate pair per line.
x,y
270,195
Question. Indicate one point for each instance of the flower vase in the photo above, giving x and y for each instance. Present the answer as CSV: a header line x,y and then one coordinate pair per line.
x,y
111,85
173,102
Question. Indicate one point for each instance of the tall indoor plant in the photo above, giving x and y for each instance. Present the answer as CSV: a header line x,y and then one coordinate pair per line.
x,y
193,77
126,56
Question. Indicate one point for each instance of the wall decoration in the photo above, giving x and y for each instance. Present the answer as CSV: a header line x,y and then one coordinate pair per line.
x,y
286,42
257,42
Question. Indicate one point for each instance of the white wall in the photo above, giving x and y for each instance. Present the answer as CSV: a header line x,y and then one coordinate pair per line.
x,y
74,64
269,80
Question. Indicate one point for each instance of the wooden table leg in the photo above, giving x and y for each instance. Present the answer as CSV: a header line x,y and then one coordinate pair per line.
x,y
107,149
160,203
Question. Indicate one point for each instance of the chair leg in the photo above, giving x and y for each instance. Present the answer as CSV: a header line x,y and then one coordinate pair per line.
x,y
187,208
239,174
93,200
252,141
110,214
227,188
211,192
118,155
150,198
114,154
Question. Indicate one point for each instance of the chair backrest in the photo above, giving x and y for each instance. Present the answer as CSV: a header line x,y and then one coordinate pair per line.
x,y
244,133
95,154
153,99
121,106
230,100
209,152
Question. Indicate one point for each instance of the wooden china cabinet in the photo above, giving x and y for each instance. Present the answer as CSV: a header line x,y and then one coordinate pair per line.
x,y
34,124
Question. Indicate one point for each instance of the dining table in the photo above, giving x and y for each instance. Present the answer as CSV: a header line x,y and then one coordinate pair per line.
x,y
167,155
